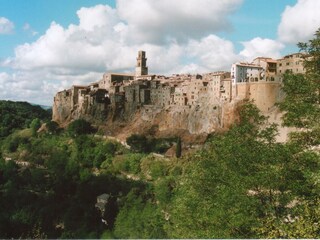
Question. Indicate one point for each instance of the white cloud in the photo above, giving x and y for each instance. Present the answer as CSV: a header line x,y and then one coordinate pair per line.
x,y
6,26
261,47
212,52
3,78
100,16
299,22
161,21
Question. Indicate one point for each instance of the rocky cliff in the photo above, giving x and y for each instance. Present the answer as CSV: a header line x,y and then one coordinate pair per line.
x,y
120,116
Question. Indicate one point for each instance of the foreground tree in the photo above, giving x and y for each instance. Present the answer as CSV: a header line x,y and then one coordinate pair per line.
x,y
243,184
302,111
302,102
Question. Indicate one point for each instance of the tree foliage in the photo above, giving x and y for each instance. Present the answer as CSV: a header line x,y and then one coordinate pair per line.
x,y
18,115
52,127
35,125
141,143
302,100
178,148
79,127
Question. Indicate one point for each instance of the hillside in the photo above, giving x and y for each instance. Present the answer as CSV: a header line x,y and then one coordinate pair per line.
x,y
18,115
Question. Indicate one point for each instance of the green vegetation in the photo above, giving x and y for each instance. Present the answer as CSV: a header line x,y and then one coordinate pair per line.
x,y
35,125
140,143
178,148
79,127
241,184
18,115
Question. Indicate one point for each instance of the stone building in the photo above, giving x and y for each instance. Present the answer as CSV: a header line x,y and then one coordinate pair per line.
x,y
111,81
292,63
161,94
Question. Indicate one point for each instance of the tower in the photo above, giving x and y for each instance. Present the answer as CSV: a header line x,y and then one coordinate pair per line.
x,y
141,68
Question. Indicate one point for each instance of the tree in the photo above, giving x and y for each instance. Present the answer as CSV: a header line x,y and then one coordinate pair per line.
x,y
79,127
243,178
35,125
18,115
52,127
302,101
138,143
312,61
178,148
301,107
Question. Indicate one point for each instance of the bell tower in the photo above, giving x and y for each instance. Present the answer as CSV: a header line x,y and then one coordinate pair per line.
x,y
141,67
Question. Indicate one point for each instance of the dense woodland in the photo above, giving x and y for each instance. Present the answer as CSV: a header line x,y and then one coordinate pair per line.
x,y
18,115
240,184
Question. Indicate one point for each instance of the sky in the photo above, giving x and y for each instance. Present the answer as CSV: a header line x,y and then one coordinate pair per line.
x,y
49,45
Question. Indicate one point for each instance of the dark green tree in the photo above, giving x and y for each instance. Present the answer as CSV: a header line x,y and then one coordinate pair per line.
x,y
18,115
79,127
52,127
138,143
178,148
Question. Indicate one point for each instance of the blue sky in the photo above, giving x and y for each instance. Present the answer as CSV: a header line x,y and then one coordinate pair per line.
x,y
38,14
48,45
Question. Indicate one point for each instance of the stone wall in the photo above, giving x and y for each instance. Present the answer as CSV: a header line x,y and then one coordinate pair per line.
x,y
264,94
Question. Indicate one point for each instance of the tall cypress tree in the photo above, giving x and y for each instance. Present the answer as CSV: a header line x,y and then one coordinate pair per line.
x,y
178,148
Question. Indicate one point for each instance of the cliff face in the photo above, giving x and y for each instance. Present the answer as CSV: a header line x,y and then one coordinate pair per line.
x,y
121,117
61,109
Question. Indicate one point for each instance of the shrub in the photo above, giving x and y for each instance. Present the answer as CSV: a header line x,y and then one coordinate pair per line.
x,y
35,125
138,143
79,127
52,127
178,148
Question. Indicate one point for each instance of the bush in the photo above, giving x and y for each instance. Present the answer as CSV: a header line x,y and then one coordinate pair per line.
x,y
128,163
138,143
13,144
52,127
35,125
79,127
178,148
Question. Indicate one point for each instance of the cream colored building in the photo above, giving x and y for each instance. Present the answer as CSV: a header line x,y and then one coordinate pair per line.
x,y
290,63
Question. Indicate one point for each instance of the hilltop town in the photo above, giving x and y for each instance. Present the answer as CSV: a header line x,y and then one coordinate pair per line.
x,y
198,104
